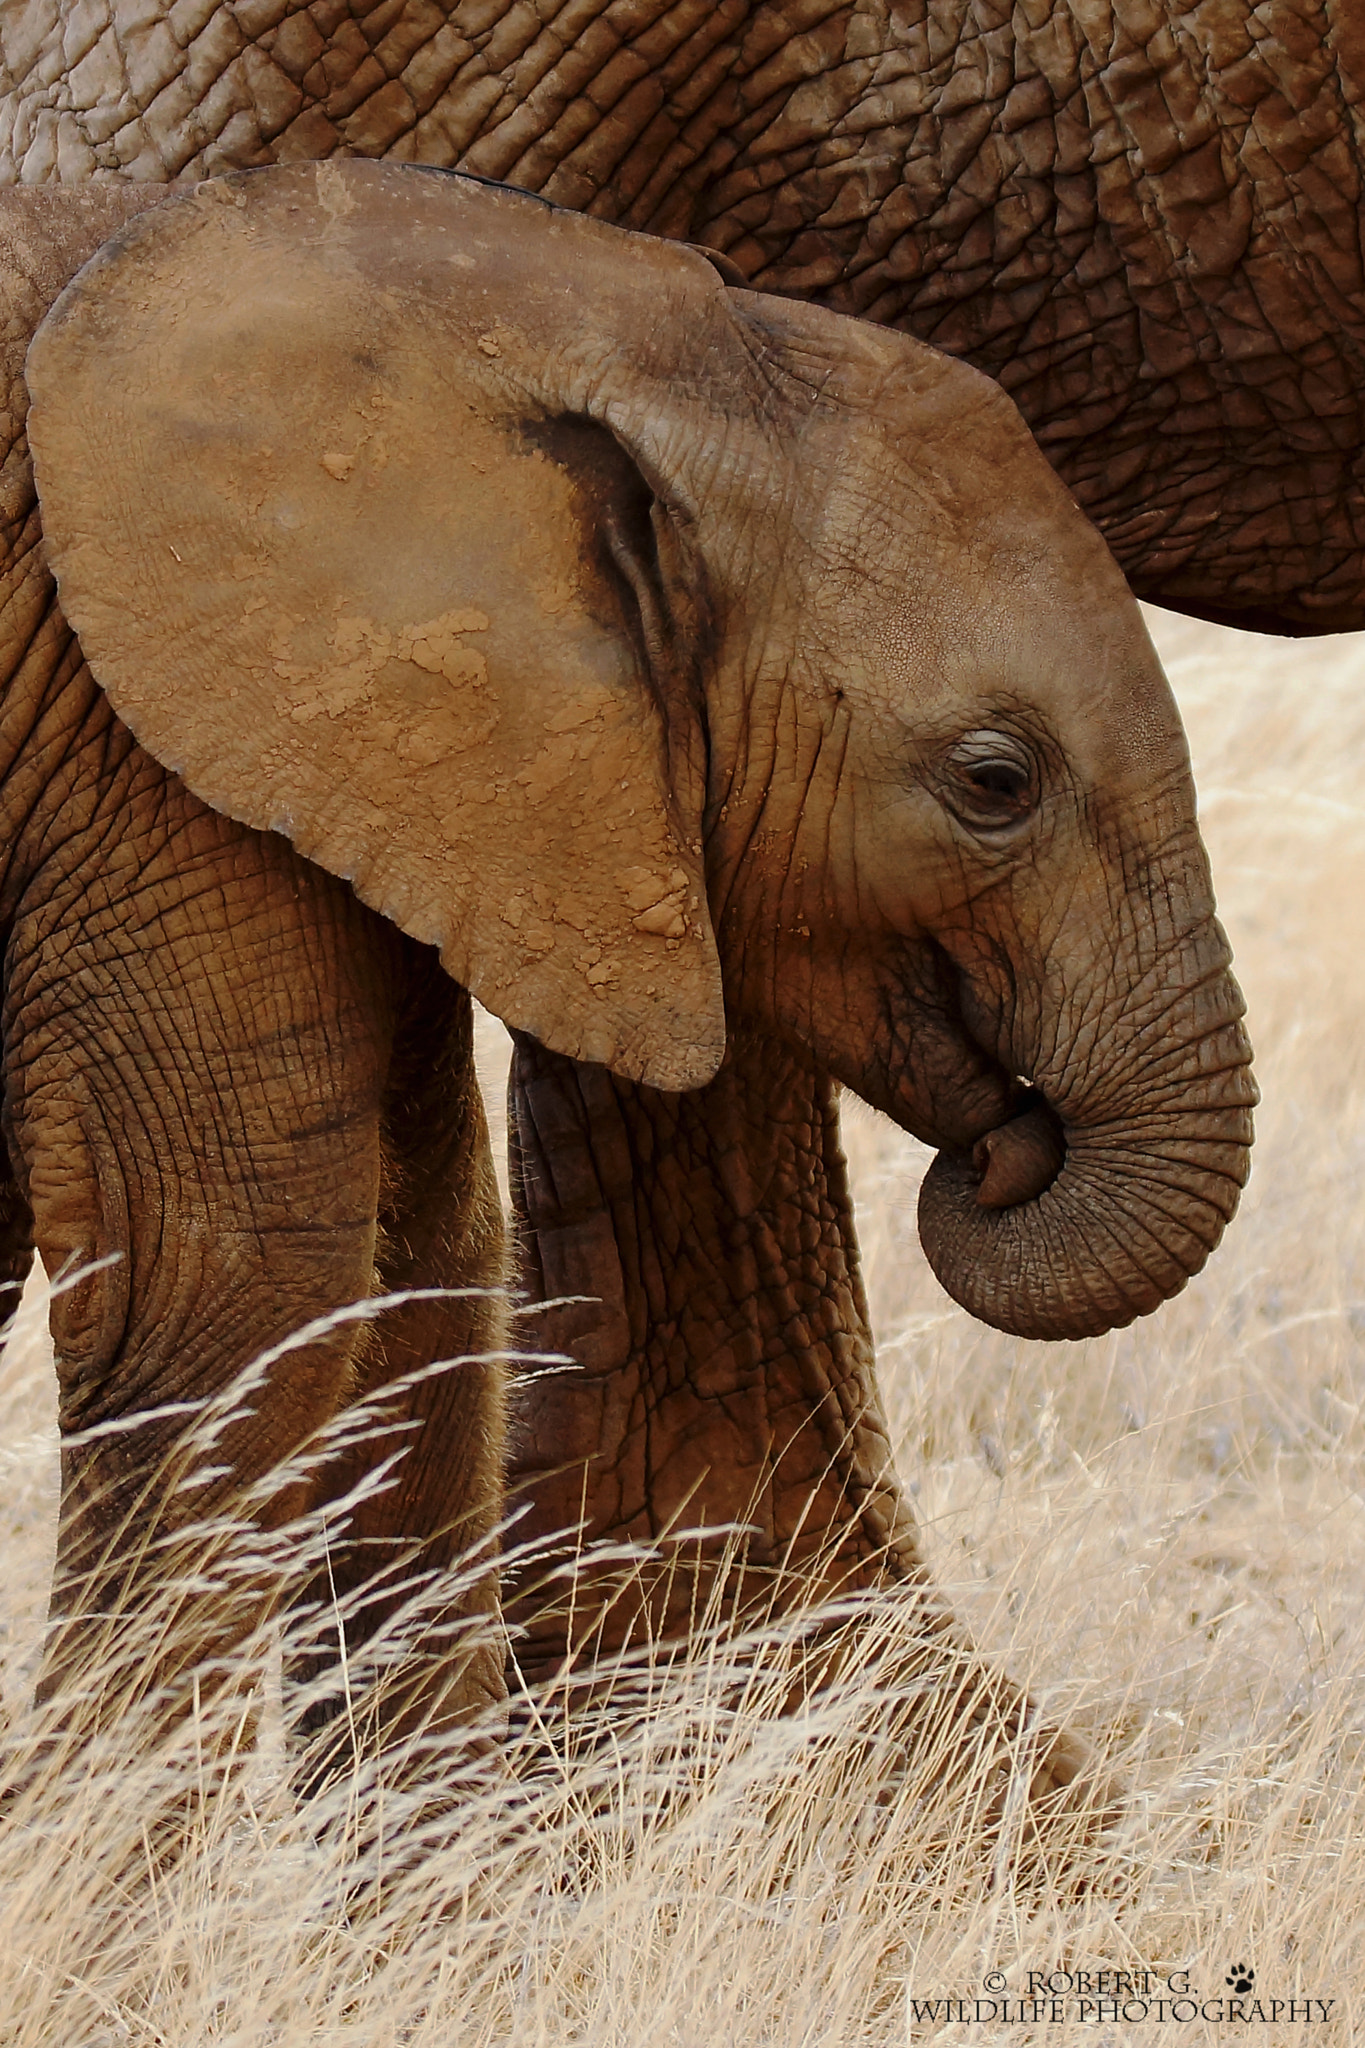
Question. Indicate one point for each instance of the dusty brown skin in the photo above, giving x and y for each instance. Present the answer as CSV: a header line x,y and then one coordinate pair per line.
x,y
864,665
1141,218
1141,221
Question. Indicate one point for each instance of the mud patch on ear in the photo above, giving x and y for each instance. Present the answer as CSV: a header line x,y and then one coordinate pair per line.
x,y
345,596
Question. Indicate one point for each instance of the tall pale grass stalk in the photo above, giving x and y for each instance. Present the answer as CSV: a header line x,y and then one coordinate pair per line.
x,y
1161,1533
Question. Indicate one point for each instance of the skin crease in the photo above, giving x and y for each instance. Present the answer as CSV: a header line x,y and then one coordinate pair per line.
x,y
754,787
1140,219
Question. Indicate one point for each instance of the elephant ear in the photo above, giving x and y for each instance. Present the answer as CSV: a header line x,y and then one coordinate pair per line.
x,y
340,562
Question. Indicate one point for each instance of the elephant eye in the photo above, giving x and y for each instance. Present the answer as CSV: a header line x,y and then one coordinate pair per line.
x,y
991,780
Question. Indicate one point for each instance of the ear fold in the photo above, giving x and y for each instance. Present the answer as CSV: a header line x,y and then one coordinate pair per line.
x,y
334,563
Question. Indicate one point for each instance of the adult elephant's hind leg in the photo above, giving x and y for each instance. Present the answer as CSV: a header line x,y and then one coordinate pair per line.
x,y
409,1593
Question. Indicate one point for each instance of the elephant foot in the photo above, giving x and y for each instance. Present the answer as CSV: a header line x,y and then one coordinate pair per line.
x,y
954,1752
908,1728
408,1710
1057,1798
1071,1776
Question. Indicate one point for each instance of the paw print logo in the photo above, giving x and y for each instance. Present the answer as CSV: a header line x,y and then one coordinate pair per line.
x,y
1240,1977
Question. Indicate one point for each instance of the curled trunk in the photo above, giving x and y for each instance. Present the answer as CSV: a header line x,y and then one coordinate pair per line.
x,y
1073,1223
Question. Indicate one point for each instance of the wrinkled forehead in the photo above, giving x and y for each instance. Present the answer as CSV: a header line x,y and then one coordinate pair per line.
x,y
939,487
970,582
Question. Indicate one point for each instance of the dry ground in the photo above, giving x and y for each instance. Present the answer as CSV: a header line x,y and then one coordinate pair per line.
x,y
1163,1532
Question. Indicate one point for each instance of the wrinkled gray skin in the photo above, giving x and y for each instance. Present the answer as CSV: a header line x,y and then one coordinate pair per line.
x,y
1013,193
1141,218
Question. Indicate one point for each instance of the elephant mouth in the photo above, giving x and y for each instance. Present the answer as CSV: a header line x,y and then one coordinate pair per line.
x,y
1019,1159
1003,1139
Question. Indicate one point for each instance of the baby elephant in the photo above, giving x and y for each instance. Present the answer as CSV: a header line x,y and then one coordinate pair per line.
x,y
731,696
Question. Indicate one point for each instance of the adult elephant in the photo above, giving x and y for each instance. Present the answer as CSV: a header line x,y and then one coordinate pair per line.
x,y
1141,217
695,670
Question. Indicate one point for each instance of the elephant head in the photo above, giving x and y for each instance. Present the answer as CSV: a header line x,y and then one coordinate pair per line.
x,y
660,651
989,911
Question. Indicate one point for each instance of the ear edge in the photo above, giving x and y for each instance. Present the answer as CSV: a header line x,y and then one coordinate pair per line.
x,y
664,1049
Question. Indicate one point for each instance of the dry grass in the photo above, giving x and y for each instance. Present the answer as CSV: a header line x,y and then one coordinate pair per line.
x,y
1162,1531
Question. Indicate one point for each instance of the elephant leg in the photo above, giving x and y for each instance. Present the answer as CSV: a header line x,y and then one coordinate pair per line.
x,y
440,1228
723,1374
723,1367
197,1032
